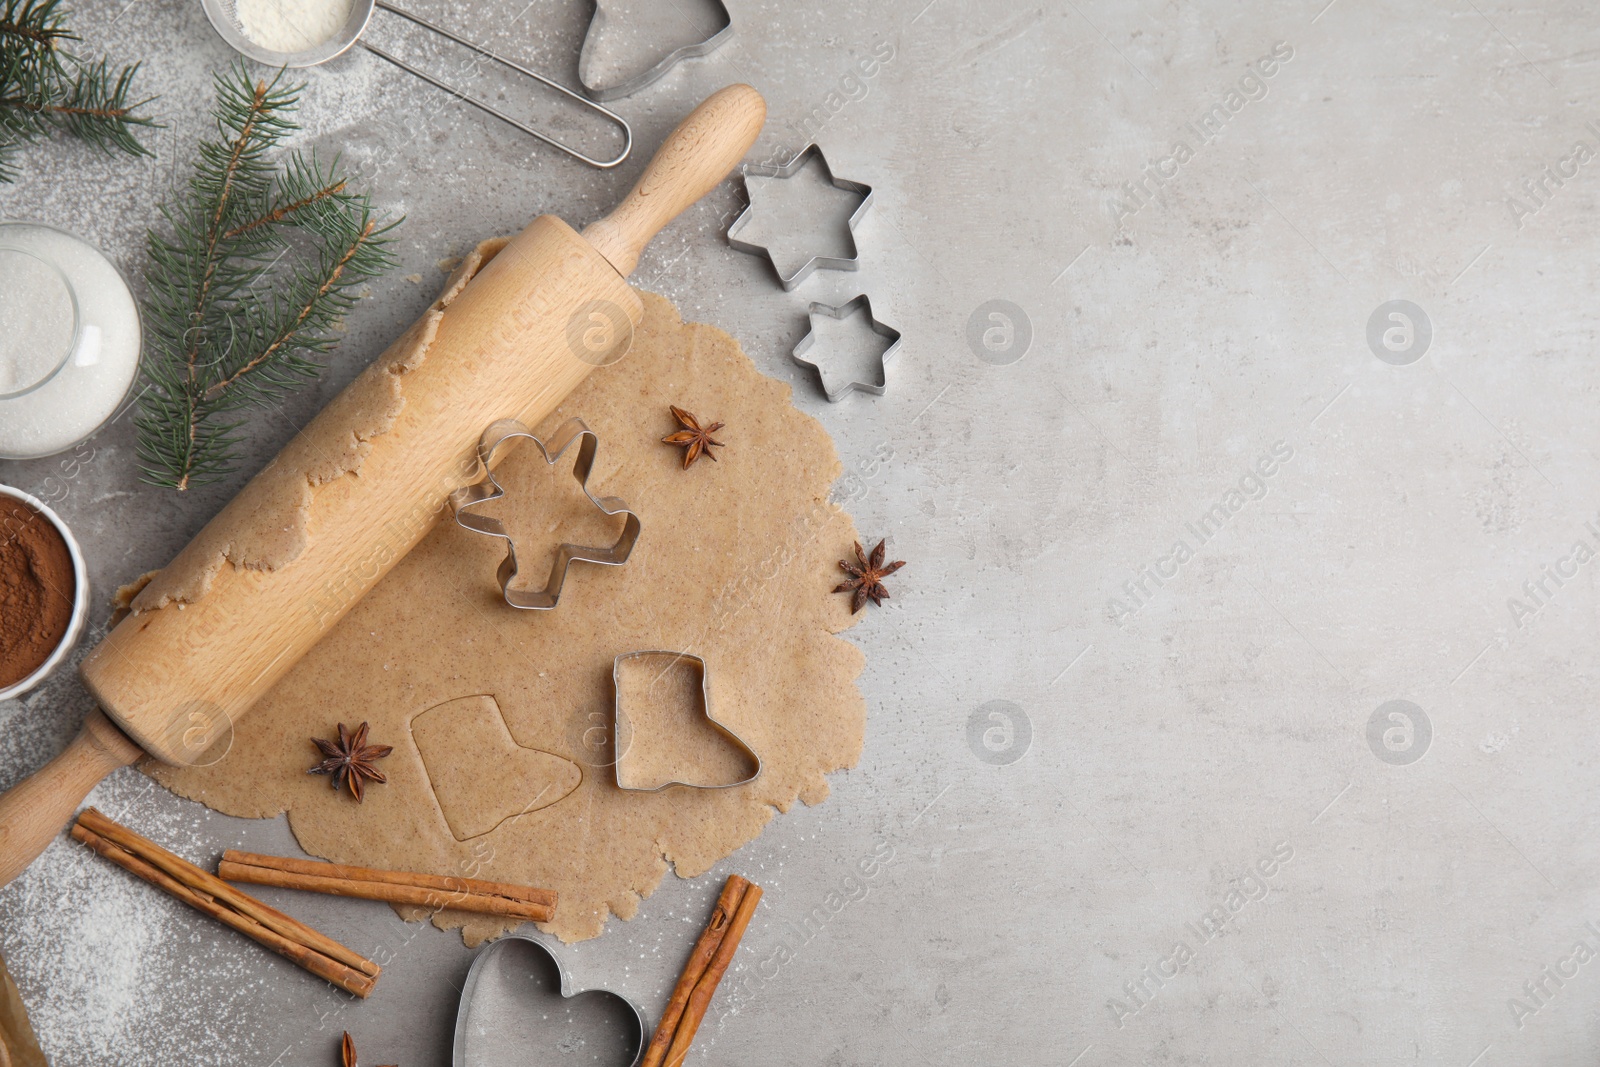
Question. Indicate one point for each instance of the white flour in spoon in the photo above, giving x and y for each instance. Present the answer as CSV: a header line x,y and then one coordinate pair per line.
x,y
291,25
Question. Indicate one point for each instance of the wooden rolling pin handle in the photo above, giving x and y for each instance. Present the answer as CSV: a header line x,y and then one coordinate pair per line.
x,y
34,810
693,159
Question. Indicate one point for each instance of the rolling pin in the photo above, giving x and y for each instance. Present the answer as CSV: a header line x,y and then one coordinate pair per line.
x,y
504,347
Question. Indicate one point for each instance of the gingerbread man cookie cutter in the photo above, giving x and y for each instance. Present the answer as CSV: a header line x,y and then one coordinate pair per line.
x,y
624,727
494,438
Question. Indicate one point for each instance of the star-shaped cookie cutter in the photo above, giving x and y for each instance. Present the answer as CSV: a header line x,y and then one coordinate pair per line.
x,y
488,489
717,37
789,170
624,727
844,311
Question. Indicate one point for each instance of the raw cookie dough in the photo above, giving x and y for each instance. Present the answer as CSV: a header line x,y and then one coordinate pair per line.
x,y
501,719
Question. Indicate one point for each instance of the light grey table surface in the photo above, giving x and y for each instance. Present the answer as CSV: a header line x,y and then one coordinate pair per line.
x,y
1161,743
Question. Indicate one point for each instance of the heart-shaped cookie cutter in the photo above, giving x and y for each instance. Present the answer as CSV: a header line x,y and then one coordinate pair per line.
x,y
639,1029
489,488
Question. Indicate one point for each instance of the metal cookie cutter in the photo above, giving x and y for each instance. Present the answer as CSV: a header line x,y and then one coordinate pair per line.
x,y
834,389
625,728
496,1023
789,170
488,489
716,34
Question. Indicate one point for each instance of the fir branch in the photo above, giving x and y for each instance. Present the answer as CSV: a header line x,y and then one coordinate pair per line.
x,y
100,111
287,335
260,259
278,214
44,88
33,24
243,110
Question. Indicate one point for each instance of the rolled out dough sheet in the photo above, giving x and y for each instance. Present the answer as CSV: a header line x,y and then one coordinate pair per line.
x,y
501,719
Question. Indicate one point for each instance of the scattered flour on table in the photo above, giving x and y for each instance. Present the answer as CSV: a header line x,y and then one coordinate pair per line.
x,y
97,953
291,25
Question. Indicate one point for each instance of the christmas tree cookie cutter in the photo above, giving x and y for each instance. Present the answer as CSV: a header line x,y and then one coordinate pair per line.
x,y
610,12
623,734
833,389
814,263
489,445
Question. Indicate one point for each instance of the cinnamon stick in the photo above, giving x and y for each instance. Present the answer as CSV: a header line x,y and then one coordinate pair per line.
x,y
210,885
700,999
371,874
398,887
346,978
733,891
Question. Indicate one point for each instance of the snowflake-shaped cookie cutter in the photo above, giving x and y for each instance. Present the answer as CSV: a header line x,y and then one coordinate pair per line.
x,y
844,311
489,445
789,170
719,34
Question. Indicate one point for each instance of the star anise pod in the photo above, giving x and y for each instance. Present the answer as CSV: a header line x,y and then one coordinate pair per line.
x,y
347,1051
350,759
695,439
866,579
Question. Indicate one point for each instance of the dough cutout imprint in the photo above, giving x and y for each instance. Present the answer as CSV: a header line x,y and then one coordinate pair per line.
x,y
469,753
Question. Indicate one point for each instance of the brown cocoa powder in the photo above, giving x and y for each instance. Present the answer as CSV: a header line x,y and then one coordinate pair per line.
x,y
37,587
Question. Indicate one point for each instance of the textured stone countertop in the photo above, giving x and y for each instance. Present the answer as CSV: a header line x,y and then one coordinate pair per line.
x,y
1183,522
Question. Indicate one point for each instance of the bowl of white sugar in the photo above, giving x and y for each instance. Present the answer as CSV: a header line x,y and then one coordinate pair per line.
x,y
69,340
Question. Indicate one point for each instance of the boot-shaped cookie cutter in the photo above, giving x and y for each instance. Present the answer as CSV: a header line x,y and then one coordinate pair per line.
x,y
789,170
497,435
624,727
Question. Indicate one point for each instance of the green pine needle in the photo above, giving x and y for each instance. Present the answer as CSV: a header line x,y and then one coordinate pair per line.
x,y
45,88
256,265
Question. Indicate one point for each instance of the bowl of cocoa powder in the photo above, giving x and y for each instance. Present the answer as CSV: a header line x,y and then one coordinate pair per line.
x,y
44,592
